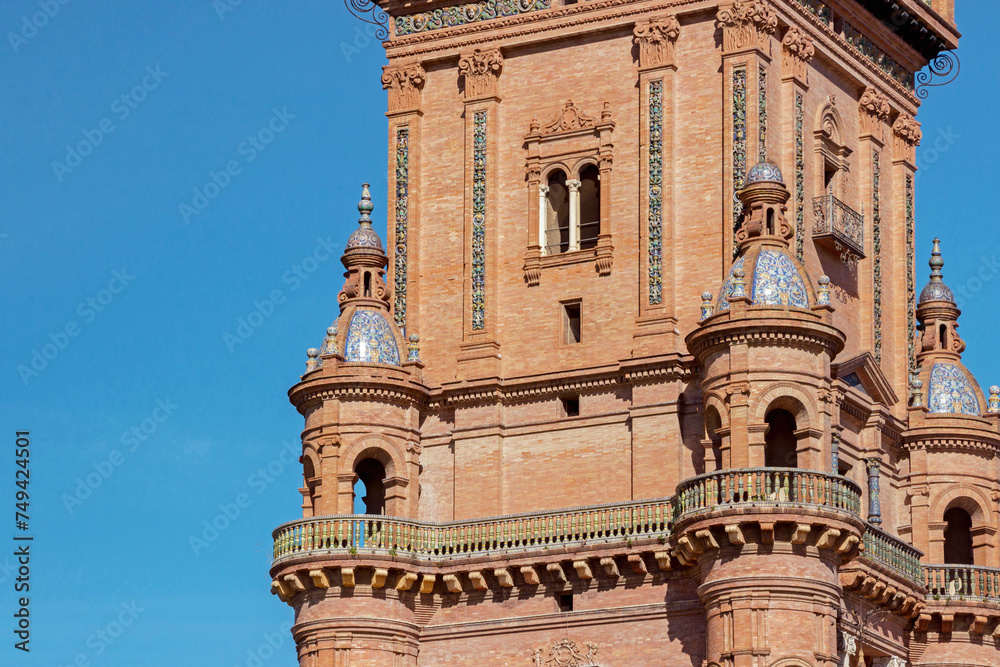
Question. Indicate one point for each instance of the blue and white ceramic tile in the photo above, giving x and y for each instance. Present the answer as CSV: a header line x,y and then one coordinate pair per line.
x,y
764,172
777,282
951,391
370,339
727,287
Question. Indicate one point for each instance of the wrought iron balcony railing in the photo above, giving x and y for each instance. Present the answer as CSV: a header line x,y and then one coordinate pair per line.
x,y
840,224
962,582
778,487
892,553
393,536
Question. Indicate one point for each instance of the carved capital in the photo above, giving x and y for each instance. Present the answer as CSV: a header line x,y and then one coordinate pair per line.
x,y
797,51
481,70
906,137
746,24
656,38
404,83
874,112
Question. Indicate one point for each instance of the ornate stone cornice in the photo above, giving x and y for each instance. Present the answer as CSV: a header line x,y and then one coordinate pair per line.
x,y
873,109
746,24
404,83
481,70
906,137
569,119
656,38
797,50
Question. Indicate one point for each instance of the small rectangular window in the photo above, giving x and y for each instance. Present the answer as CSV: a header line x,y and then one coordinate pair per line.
x,y
566,602
571,323
571,406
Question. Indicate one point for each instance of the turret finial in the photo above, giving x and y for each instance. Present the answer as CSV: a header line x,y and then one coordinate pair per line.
x,y
365,206
936,263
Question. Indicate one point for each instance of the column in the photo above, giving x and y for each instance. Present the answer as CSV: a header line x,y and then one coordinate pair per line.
x,y
543,206
574,214
874,507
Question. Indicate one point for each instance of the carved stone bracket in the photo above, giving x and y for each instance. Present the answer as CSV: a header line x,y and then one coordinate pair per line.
x,y
906,137
404,83
747,24
481,70
797,52
656,38
873,109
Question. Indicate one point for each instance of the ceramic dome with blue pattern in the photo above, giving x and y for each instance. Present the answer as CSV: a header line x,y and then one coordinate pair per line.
x,y
364,236
771,278
370,339
764,172
951,390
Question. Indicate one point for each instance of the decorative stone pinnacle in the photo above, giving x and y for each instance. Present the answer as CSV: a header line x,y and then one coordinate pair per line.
x,y
365,206
915,386
707,309
936,263
414,348
739,285
823,293
311,362
994,402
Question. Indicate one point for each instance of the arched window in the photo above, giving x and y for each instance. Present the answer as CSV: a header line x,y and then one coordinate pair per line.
x,y
368,284
371,483
943,336
780,444
958,537
309,488
712,425
556,214
590,206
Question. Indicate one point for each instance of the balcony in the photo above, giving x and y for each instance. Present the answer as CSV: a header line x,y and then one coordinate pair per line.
x,y
962,582
839,227
349,535
892,553
777,488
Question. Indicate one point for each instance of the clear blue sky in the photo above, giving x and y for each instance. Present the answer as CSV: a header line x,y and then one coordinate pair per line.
x,y
99,246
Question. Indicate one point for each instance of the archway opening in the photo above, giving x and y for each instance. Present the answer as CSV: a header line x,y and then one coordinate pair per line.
x,y
958,537
780,445
557,213
369,488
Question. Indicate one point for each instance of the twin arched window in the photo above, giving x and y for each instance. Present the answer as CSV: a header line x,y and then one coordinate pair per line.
x,y
570,211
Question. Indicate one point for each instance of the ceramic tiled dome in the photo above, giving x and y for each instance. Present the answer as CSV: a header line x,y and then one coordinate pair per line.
x,y
370,339
764,172
772,278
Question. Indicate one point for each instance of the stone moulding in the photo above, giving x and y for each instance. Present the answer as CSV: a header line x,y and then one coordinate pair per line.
x,y
656,38
480,70
747,24
404,83
449,17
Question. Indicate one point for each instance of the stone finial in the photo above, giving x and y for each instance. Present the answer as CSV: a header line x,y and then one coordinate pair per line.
x,y
936,290
414,348
823,293
707,309
994,401
916,386
739,285
312,362
656,38
330,341
404,83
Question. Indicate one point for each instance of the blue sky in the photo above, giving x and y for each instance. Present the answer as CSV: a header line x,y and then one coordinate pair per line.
x,y
157,414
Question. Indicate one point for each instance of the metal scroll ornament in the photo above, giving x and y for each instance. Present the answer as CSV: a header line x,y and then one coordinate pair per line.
x,y
369,12
944,68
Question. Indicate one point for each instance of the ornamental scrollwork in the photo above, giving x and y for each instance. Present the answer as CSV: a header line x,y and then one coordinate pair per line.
x,y
565,653
746,24
656,38
481,70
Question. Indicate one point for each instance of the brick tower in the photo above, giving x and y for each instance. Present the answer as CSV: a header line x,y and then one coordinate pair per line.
x,y
566,452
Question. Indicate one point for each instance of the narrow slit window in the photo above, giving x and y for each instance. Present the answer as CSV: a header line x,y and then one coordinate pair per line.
x,y
571,406
565,602
571,323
